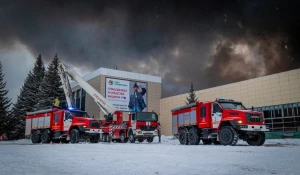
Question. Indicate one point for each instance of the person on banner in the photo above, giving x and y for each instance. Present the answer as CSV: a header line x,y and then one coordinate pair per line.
x,y
136,102
56,103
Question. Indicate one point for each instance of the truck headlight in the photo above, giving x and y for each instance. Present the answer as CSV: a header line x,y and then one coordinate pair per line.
x,y
240,121
84,126
140,132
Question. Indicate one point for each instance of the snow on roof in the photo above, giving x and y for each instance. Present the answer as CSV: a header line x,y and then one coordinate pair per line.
x,y
120,74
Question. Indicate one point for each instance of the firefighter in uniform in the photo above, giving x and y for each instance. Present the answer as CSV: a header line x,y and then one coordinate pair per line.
x,y
56,103
159,132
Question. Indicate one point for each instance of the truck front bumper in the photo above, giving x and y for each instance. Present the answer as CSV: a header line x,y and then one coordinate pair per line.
x,y
253,128
140,133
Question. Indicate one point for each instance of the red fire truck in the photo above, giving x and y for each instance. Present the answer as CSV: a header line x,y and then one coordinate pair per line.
x,y
59,125
141,126
220,122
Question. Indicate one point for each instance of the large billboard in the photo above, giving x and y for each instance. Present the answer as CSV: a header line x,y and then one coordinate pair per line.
x,y
126,95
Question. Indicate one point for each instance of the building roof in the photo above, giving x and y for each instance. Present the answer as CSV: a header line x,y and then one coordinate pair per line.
x,y
120,74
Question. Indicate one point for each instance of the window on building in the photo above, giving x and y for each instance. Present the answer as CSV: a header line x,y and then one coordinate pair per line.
x,y
82,100
77,101
203,112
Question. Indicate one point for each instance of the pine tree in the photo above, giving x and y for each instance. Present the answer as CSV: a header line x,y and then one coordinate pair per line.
x,y
192,96
4,104
50,87
27,99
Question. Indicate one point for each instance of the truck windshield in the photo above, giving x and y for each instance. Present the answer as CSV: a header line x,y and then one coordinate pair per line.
x,y
80,114
237,106
146,117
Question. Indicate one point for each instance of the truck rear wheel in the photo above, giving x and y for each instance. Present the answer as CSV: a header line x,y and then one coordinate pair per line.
x,y
150,139
257,140
228,136
36,137
122,138
194,137
131,137
183,137
74,136
45,137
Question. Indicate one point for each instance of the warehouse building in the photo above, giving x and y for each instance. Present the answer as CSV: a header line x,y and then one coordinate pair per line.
x,y
277,95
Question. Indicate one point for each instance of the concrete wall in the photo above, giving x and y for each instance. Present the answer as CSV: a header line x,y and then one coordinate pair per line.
x,y
273,89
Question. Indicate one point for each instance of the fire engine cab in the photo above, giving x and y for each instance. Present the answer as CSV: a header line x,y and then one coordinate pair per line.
x,y
223,121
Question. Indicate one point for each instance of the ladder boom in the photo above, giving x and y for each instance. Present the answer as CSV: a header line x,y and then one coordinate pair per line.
x,y
104,104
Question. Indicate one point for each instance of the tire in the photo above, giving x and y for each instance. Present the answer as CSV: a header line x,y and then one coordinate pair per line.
x,y
131,137
56,141
257,140
193,136
45,137
207,141
183,137
150,139
140,140
107,138
228,136
94,138
36,137
122,138
74,136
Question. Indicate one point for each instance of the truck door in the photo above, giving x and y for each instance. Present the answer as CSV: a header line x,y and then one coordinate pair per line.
x,y
67,121
216,115
57,120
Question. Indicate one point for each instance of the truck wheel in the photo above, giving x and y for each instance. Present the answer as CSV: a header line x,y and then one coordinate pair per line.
x,y
36,137
257,140
206,142
228,136
183,137
74,136
94,139
122,138
140,140
45,138
150,139
131,137
194,137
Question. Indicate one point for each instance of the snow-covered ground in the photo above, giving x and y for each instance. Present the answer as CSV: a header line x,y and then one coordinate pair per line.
x,y
168,157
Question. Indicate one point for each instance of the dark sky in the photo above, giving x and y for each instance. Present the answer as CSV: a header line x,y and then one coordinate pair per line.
x,y
208,43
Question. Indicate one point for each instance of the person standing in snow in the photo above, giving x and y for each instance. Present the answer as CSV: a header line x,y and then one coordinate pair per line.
x,y
137,103
159,132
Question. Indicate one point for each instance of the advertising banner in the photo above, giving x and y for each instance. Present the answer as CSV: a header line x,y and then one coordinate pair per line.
x,y
126,95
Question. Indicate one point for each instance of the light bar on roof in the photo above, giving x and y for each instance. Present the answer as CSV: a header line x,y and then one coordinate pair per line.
x,y
223,99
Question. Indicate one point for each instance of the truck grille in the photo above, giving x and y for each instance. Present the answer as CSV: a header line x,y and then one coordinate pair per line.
x,y
95,124
254,117
147,128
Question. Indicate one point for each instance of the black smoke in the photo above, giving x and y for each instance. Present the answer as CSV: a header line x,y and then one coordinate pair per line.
x,y
208,43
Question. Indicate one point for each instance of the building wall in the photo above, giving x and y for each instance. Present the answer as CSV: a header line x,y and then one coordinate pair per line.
x,y
154,94
98,82
273,89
